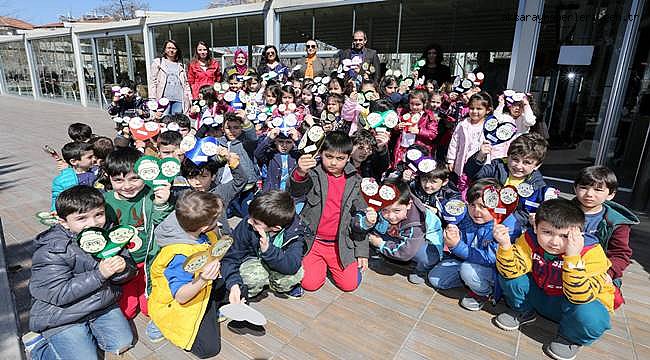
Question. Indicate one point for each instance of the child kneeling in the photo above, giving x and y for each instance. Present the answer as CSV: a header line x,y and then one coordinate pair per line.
x,y
183,305
558,273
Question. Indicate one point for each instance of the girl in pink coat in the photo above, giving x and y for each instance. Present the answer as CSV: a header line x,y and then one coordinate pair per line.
x,y
417,126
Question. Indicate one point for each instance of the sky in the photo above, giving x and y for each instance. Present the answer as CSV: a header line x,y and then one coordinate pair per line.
x,y
45,11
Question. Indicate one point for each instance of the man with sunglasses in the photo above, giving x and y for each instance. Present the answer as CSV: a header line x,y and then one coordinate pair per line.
x,y
370,65
312,65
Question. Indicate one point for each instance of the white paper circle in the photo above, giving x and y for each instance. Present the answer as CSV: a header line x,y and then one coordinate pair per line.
x,y
455,207
148,170
229,96
525,190
209,148
188,142
136,123
369,186
413,154
170,169
387,193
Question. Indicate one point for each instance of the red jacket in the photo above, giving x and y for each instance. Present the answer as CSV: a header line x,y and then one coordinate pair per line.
x,y
197,77
428,126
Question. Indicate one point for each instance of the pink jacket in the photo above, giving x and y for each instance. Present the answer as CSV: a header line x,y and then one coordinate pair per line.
x,y
428,126
158,80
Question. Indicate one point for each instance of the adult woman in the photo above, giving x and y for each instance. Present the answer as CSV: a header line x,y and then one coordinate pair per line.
x,y
434,69
169,80
271,62
312,65
240,66
203,70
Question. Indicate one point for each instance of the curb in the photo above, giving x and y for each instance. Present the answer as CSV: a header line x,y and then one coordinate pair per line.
x,y
10,346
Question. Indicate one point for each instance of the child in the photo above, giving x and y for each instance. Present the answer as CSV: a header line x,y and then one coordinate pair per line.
x,y
308,101
519,112
388,89
102,146
80,132
434,188
525,155
422,133
277,152
605,220
169,145
370,153
332,197
184,123
132,203
81,158
404,231
558,273
129,104
74,295
472,251
268,249
184,305
334,106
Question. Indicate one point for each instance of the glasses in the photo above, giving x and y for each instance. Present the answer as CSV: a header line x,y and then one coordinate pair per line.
x,y
310,46
358,40
270,53
170,48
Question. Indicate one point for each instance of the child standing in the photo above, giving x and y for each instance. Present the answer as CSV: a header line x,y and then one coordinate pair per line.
x,y
81,158
184,305
422,132
558,273
276,151
332,198
74,295
519,112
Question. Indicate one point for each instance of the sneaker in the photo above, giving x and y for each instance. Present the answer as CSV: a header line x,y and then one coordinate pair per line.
x,y
473,302
153,333
31,339
562,349
512,320
296,293
415,279
244,327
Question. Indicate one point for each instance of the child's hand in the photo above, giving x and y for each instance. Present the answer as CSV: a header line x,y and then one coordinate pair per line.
x,y
61,164
113,265
486,148
575,242
273,133
161,194
235,295
362,263
450,166
233,160
414,130
375,240
371,216
407,175
305,163
501,235
210,271
295,134
264,239
382,138
451,235
501,99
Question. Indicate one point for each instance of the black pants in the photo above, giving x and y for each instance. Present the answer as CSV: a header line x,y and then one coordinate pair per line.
x,y
208,340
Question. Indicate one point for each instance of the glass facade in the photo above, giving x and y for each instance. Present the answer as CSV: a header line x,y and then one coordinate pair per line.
x,y
14,68
57,76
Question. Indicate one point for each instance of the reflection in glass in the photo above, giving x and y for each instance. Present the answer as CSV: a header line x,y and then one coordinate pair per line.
x,y
55,67
14,67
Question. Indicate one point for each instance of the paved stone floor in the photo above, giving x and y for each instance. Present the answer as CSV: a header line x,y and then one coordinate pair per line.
x,y
385,318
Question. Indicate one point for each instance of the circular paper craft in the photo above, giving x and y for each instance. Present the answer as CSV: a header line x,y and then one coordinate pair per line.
x,y
508,93
413,154
188,143
387,192
370,95
455,207
480,76
122,234
369,186
490,197
518,97
136,123
426,165
391,119
243,97
219,249
374,120
277,122
147,168
491,123
172,126
322,89
372,69
44,215
397,73
290,120
282,108
456,82
508,195
163,102
408,81
318,79
196,261
49,222
302,143
315,133
325,80
291,107
92,240
525,190
365,66
466,84
229,96
506,131
209,148
471,76
152,105
243,312
406,117
389,72
170,168
551,193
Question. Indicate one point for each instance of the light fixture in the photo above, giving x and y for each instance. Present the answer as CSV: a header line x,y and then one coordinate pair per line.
x,y
571,75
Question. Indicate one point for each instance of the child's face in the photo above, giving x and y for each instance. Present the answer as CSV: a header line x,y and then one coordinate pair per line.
x,y
86,161
202,181
335,88
361,152
477,111
391,88
416,104
592,196
253,85
368,87
396,212
165,151
127,186
333,106
76,222
235,85
260,226
307,97
432,185
552,239
516,110
287,98
430,87
297,86
284,145
436,102
183,131
334,162
232,130
521,166
479,212
270,98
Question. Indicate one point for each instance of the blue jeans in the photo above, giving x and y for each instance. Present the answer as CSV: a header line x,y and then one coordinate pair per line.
x,y
110,331
452,273
174,107
579,323
426,257
239,205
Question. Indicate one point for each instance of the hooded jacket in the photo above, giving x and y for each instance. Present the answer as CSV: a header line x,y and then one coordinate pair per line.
x,y
285,259
240,146
267,154
66,285
66,179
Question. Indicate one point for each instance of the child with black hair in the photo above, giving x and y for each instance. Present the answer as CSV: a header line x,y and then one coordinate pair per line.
x,y
370,153
332,195
80,132
277,152
406,231
73,294
102,146
81,159
169,145
267,251
331,119
433,188
417,126
183,121
555,271
518,112
133,203
129,104
606,221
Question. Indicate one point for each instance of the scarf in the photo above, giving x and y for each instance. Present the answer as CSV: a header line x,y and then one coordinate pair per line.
x,y
309,71
241,69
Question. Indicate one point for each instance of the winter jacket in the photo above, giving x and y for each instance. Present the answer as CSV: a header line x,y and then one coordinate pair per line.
x,y
428,130
267,154
66,179
476,244
136,107
66,285
197,77
351,244
498,169
238,147
446,192
158,81
285,258
523,122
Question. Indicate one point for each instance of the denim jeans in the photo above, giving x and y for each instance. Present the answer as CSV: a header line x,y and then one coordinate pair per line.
x,y
426,257
451,273
110,331
174,107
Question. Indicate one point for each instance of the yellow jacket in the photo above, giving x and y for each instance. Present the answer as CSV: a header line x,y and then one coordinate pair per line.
x,y
581,278
179,323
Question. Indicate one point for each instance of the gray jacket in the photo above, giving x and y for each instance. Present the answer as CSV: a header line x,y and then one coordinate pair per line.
x,y
318,64
170,232
352,244
66,285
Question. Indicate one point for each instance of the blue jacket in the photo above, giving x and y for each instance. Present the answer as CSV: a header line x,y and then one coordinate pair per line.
x,y
285,258
66,179
267,154
476,244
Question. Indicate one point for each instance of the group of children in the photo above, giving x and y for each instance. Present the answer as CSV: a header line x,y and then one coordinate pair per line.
x,y
304,214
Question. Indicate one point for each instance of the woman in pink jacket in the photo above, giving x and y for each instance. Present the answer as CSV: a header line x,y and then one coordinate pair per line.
x,y
203,70
168,79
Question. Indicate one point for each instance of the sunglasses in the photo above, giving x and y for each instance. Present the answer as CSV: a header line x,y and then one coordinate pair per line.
x,y
310,46
270,53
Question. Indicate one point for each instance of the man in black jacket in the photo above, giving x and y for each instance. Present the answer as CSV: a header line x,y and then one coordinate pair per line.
x,y
370,64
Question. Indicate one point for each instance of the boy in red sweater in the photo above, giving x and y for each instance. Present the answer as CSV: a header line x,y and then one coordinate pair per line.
x,y
332,198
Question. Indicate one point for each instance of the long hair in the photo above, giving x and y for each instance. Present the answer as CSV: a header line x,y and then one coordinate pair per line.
x,y
264,58
208,59
438,51
179,53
